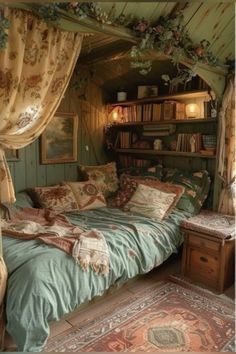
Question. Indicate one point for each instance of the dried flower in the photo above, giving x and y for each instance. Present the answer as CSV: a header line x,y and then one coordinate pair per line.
x,y
141,26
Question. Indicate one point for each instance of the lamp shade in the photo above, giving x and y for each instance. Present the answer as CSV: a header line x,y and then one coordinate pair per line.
x,y
192,110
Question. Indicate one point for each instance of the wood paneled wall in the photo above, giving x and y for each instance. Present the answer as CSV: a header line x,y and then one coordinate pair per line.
x,y
28,172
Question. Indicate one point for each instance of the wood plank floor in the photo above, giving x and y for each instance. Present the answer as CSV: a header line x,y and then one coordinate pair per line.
x,y
114,296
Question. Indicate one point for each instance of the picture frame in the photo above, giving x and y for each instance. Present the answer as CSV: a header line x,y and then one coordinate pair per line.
x,y
59,139
12,154
147,91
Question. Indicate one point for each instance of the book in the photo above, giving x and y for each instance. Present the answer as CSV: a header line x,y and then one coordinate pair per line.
x,y
156,111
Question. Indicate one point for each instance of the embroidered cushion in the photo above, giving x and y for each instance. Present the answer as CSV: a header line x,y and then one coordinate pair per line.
x,y
150,202
87,195
58,198
129,184
197,186
105,176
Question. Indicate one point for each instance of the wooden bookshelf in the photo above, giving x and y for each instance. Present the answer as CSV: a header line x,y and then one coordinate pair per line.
x,y
177,96
164,153
173,121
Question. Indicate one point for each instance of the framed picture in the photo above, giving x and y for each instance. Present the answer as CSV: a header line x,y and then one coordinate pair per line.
x,y
147,91
59,139
12,154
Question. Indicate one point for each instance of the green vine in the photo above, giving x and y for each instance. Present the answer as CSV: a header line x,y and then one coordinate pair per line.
x,y
4,25
168,34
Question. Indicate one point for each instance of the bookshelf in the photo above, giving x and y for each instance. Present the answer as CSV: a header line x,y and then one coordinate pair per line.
x,y
177,96
164,153
181,137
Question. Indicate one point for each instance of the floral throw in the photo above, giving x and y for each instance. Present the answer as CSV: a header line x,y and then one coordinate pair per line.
x,y
87,195
150,202
57,198
105,176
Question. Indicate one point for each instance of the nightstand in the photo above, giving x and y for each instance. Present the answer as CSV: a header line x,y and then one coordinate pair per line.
x,y
209,248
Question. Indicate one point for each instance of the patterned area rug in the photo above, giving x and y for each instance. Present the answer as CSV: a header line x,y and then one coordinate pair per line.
x,y
172,316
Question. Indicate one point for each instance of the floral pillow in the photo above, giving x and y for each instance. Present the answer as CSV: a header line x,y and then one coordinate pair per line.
x,y
105,176
129,184
58,198
87,195
197,186
150,202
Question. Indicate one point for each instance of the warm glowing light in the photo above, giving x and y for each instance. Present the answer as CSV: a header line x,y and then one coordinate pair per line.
x,y
192,110
115,116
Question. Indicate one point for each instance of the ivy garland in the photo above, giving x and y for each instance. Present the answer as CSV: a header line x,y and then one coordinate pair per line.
x,y
4,25
168,34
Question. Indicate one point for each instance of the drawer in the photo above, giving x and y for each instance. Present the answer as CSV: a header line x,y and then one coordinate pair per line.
x,y
202,266
203,243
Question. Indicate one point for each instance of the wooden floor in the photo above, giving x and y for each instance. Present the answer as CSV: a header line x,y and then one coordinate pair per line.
x,y
97,306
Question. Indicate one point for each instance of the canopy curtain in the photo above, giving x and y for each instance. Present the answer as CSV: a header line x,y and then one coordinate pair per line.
x,y
227,164
35,69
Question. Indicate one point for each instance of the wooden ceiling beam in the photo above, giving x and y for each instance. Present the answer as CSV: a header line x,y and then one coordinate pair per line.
x,y
179,6
104,53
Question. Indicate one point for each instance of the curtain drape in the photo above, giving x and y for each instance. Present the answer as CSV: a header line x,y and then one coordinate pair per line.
x,y
227,163
35,69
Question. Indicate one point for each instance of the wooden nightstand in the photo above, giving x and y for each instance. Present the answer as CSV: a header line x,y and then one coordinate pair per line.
x,y
209,248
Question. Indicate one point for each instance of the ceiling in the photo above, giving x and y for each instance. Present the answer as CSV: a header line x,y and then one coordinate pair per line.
x,y
213,21
109,55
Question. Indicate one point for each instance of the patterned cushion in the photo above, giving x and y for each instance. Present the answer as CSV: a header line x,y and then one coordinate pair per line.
x,y
58,198
105,177
154,171
197,186
87,194
218,225
150,202
129,184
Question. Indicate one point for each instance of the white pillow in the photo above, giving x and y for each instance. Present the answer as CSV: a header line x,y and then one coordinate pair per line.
x,y
151,202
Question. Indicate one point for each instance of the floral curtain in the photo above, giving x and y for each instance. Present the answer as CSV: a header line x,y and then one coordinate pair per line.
x,y
35,69
227,163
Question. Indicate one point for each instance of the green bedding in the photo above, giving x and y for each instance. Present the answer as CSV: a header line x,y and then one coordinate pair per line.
x,y
45,283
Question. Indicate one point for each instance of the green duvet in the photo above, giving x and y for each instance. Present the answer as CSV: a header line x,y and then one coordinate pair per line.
x,y
45,283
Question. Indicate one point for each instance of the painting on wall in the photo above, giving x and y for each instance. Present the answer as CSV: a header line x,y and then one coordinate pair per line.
x,y
11,154
59,139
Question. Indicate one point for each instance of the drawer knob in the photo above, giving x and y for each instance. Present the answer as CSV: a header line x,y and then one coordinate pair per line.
x,y
203,259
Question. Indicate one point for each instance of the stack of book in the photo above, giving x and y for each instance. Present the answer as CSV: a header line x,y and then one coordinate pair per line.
x,y
189,142
158,130
129,114
168,110
156,111
173,110
128,161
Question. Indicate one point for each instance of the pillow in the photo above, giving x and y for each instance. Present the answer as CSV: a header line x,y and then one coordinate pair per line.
x,y
154,171
129,184
197,186
87,195
105,176
59,198
23,200
151,202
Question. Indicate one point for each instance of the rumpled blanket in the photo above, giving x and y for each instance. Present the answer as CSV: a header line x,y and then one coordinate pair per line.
x,y
88,248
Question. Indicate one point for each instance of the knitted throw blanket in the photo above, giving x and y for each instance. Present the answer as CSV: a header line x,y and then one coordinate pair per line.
x,y
88,248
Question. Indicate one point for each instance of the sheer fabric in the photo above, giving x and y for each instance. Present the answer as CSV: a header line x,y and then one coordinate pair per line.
x,y
227,163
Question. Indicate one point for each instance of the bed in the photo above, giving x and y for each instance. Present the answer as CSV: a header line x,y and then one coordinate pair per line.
x,y
45,283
